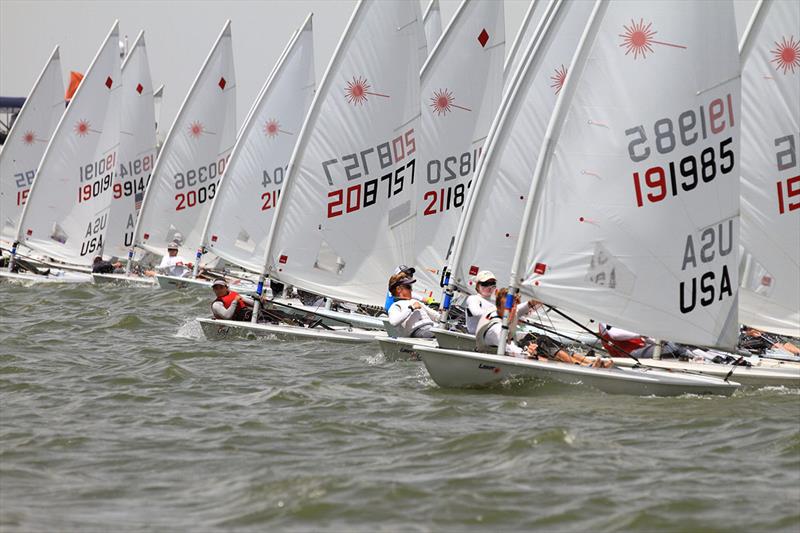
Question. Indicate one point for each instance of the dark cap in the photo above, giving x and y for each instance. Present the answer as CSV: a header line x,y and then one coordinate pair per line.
x,y
404,281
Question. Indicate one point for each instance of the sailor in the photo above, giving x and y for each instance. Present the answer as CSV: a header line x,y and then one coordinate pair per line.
x,y
105,267
619,342
230,305
409,271
759,342
173,264
481,303
411,317
539,347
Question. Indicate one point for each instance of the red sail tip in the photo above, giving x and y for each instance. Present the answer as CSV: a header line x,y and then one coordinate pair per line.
x,y
483,38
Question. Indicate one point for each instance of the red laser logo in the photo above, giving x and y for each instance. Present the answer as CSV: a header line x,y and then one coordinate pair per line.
x,y
786,55
272,128
28,137
358,89
82,128
558,79
196,129
443,102
638,38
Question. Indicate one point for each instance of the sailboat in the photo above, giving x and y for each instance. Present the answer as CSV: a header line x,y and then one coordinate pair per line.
x,y
339,226
461,85
66,214
432,24
26,143
242,210
192,161
609,230
490,223
136,156
769,292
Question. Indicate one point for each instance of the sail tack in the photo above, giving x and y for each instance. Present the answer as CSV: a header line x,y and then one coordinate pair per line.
x,y
66,216
770,195
460,88
635,202
194,156
242,212
137,149
26,143
339,229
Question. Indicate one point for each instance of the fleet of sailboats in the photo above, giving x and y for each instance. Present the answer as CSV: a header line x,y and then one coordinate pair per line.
x,y
624,162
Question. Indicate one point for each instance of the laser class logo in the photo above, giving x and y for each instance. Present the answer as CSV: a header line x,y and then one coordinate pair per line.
x,y
82,128
28,137
558,79
358,89
638,38
443,102
272,128
197,130
786,55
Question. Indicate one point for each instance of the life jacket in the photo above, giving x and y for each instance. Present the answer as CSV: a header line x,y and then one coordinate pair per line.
x,y
488,321
617,348
228,299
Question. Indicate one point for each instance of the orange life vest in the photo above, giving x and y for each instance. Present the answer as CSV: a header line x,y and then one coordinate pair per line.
x,y
228,299
616,348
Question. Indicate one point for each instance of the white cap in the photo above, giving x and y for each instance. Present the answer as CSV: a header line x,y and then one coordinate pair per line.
x,y
484,275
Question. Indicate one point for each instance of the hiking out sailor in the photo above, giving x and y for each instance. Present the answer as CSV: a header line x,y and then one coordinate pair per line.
x,y
759,342
411,317
99,266
619,342
409,271
538,347
230,305
482,302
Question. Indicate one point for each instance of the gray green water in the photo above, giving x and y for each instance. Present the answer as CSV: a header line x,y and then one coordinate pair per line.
x,y
116,414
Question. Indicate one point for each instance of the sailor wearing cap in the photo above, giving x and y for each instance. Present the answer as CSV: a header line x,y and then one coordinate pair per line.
x,y
411,317
481,303
230,305
173,264
409,271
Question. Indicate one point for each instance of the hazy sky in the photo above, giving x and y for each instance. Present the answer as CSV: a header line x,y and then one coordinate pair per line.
x,y
179,35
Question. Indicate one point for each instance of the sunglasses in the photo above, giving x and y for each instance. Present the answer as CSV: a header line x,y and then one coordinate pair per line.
x,y
490,283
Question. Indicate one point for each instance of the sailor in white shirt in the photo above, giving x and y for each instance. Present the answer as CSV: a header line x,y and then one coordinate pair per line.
x,y
411,317
482,303
173,264
490,326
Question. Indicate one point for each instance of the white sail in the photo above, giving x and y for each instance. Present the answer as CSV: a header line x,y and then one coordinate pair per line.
x,y
525,35
461,85
67,211
489,228
769,298
137,149
158,96
432,24
634,209
242,212
339,226
194,156
26,143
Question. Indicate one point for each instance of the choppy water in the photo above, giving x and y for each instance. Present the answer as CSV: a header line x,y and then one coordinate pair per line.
x,y
115,413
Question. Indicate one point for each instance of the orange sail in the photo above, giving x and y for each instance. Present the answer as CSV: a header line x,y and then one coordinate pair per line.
x,y
75,79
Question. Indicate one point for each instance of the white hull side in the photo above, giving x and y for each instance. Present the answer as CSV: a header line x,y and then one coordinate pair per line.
x,y
221,329
336,318
452,368
177,282
454,340
400,349
122,279
34,279
754,376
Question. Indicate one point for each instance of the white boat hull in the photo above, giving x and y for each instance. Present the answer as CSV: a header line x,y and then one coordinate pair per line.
x,y
25,278
453,368
177,282
215,329
331,318
122,279
454,340
399,349
754,376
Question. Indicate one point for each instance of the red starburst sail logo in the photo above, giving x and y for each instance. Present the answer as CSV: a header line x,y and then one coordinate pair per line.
x,y
358,89
82,128
443,102
272,128
639,39
28,137
558,79
786,54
